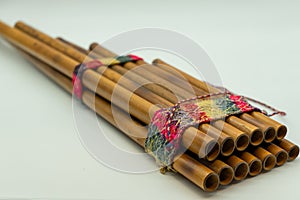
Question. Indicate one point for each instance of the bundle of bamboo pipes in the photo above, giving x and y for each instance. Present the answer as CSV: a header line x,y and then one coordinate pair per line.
x,y
217,153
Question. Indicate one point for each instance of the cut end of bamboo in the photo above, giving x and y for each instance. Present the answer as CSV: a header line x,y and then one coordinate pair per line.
x,y
257,137
227,147
281,132
270,135
281,158
226,175
241,171
212,150
93,46
269,162
211,183
242,142
293,153
255,167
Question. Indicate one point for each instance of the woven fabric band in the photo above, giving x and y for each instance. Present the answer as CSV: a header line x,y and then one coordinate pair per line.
x,y
94,64
168,124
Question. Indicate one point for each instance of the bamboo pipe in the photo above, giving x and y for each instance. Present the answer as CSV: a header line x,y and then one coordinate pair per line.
x,y
225,141
255,165
139,106
185,165
240,138
289,147
240,167
280,129
268,159
280,154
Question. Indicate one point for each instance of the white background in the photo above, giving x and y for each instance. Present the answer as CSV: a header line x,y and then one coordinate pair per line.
x,y
254,45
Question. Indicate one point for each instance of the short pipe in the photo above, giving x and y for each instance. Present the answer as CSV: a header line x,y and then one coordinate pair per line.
x,y
211,183
255,167
281,132
293,153
256,138
269,135
212,151
281,158
269,162
227,147
242,142
226,176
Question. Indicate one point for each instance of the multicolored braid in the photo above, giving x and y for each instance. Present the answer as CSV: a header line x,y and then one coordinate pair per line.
x,y
79,69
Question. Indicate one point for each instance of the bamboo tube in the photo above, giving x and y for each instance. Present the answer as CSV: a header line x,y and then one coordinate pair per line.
x,y
239,166
185,165
255,165
280,154
280,129
138,106
267,158
289,147
240,138
224,171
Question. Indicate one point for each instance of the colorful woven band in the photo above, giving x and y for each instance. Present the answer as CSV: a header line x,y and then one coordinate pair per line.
x,y
94,64
168,124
